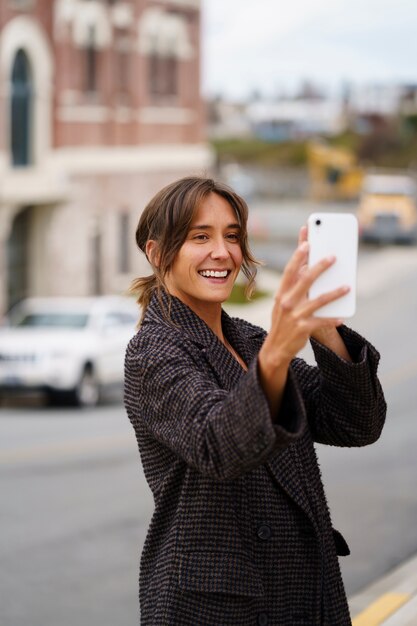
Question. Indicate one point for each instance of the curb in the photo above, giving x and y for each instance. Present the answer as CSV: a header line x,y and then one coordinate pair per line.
x,y
391,600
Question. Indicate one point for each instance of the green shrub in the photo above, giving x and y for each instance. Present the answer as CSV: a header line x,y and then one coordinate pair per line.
x,y
238,295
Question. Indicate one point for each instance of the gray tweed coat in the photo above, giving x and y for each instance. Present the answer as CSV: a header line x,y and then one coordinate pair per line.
x,y
241,533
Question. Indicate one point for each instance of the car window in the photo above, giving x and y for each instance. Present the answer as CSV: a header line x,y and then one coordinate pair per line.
x,y
129,318
118,318
390,186
52,320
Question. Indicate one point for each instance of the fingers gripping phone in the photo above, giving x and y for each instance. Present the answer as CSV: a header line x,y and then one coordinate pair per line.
x,y
334,234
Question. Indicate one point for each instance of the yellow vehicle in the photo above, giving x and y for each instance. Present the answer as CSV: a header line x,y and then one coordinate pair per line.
x,y
387,211
334,173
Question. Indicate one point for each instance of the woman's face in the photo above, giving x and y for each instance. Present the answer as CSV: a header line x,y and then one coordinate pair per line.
x,y
209,260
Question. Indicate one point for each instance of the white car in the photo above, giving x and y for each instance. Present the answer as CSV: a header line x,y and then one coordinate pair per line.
x,y
69,348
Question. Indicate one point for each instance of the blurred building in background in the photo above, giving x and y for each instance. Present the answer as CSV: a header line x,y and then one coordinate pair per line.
x,y
99,107
227,120
292,120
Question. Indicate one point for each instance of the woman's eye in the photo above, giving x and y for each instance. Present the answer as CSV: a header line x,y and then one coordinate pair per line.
x,y
200,237
233,236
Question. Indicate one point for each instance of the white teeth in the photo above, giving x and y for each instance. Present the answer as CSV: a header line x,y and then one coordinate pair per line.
x,y
213,274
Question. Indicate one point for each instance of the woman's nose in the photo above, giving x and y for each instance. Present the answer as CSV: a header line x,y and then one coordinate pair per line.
x,y
219,250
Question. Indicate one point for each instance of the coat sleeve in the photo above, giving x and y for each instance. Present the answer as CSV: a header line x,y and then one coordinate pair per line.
x,y
220,433
345,402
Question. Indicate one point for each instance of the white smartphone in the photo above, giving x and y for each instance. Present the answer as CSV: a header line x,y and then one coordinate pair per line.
x,y
334,234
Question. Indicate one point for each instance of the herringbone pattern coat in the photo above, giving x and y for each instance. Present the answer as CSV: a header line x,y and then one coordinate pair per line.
x,y
241,533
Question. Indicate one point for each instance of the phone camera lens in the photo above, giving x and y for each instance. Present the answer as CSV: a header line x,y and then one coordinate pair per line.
x,y
318,222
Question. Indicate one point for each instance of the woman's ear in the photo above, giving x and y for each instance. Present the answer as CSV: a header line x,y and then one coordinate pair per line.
x,y
152,252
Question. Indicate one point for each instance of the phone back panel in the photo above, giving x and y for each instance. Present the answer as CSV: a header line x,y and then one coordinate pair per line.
x,y
334,234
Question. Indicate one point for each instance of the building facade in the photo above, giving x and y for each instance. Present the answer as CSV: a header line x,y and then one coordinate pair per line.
x,y
99,107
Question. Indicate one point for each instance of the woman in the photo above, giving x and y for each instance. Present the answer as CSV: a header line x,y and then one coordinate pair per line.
x,y
225,417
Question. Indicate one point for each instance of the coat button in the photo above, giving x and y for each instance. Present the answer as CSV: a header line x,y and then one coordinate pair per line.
x,y
264,532
262,619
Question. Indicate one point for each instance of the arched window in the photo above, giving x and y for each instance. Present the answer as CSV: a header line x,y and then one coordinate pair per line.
x,y
21,110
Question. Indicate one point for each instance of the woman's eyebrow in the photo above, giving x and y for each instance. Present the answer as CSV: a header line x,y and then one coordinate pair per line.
x,y
207,226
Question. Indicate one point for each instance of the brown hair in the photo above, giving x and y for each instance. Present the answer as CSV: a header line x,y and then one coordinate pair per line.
x,y
167,219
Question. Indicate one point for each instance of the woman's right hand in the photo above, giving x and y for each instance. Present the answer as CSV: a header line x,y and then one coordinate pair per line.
x,y
293,321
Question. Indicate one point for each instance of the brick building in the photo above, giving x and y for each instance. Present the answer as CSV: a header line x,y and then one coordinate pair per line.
x,y
99,107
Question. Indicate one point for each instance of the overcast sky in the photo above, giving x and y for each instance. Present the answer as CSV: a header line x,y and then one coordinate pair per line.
x,y
272,45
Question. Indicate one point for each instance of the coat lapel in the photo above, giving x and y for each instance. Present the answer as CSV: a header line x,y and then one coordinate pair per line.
x,y
285,465
284,468
226,367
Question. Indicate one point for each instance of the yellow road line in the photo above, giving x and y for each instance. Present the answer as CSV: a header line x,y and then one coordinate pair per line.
x,y
377,612
72,447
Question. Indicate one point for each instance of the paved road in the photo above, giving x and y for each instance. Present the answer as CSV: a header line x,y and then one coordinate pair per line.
x,y
74,512
75,505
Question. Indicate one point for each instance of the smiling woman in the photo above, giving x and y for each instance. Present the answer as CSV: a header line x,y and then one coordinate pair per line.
x,y
194,234
225,417
209,260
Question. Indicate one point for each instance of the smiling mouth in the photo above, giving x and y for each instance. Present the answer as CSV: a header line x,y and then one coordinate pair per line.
x,y
214,273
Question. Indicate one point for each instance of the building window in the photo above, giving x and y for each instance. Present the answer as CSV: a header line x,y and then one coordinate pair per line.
x,y
18,258
21,110
124,240
163,75
164,39
91,62
122,64
96,274
123,73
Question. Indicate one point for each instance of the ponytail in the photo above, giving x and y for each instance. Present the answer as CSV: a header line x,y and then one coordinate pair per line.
x,y
144,288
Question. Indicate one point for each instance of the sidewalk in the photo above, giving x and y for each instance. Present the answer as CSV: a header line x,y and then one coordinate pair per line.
x,y
390,601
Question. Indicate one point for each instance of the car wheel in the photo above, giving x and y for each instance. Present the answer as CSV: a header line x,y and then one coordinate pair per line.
x,y
87,392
